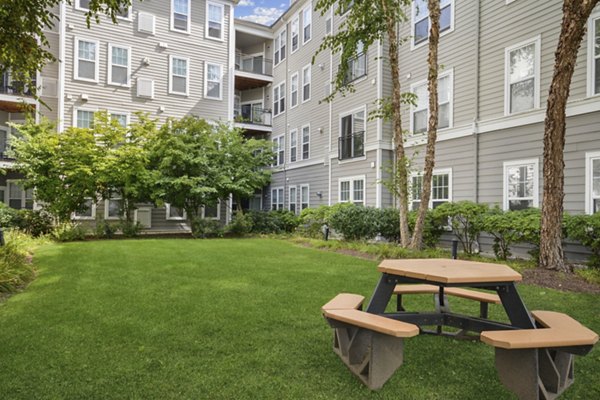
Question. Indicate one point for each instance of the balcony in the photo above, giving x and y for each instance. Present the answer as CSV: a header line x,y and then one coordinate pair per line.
x,y
253,119
351,146
252,72
14,94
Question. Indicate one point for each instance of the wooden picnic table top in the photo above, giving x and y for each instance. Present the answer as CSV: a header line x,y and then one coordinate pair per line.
x,y
441,270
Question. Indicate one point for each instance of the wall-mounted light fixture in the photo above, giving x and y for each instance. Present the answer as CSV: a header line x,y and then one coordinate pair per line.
x,y
319,194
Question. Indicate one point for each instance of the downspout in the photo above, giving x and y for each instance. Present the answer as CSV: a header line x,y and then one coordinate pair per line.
x,y
61,68
328,156
379,186
477,105
231,95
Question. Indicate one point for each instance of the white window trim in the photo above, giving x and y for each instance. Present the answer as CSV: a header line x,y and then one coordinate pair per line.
x,y
296,20
536,180
308,7
279,201
281,94
590,55
295,202
206,96
76,60
106,216
278,36
296,132
441,171
222,7
278,139
307,186
295,74
187,77
414,46
23,194
351,179
76,217
352,112
78,7
537,41
450,75
129,12
110,64
589,157
218,217
172,18
307,67
301,142
168,212
75,109
126,114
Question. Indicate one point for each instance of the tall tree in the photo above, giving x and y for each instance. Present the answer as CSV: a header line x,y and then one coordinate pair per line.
x,y
24,48
575,16
370,23
432,88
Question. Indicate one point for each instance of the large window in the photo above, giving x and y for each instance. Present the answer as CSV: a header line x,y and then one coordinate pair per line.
x,y
279,149
180,15
420,19
179,75
420,111
522,77
293,199
441,188
279,47
521,184
175,213
306,142
357,65
212,211
121,118
592,182
214,21
84,119
279,99
352,190
306,83
88,210
594,56
351,143
18,197
294,90
304,197
86,60
214,81
277,198
112,207
293,145
119,65
307,24
295,34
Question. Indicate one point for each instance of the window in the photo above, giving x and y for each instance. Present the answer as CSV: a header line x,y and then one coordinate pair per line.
x,y
594,56
294,90
306,83
213,82
293,199
214,24
124,12
112,207
293,145
122,119
592,182
279,47
279,148
86,60
305,142
420,112
178,78
352,136
295,34
307,24
212,211
357,65
420,19
279,99
441,188
83,4
522,77
18,197
88,210
119,65
277,198
84,119
175,213
253,113
521,184
304,197
328,26
352,190
180,15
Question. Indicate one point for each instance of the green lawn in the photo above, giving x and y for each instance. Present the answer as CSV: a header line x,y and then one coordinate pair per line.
x,y
226,319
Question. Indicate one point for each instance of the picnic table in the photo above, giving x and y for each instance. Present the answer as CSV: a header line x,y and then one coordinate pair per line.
x,y
534,350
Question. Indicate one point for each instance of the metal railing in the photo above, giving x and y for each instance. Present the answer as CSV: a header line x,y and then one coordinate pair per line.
x,y
256,116
351,146
254,64
8,86
357,68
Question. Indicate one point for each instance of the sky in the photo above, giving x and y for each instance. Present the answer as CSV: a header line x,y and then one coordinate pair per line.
x,y
261,11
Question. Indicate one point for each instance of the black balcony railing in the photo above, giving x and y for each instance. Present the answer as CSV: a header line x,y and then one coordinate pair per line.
x,y
254,115
351,146
254,64
357,68
15,87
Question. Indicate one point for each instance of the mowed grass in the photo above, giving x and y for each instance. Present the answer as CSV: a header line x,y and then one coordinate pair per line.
x,y
227,319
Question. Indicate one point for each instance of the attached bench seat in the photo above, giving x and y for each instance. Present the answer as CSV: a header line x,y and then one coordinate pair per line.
x,y
370,345
452,291
538,363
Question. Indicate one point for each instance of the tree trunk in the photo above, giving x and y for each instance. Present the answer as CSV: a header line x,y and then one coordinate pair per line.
x,y
575,16
434,37
401,163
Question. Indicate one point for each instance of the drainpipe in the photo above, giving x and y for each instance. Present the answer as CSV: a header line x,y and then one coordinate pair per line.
x,y
328,155
477,105
61,68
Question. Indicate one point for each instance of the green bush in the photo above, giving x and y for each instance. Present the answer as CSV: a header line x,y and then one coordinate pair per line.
x,y
8,216
312,220
15,267
34,222
509,227
355,222
388,224
105,229
130,228
206,228
586,229
433,228
68,232
240,225
530,226
466,220
280,221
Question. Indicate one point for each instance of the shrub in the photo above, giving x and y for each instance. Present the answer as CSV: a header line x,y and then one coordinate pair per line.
x,y
586,229
15,268
312,220
206,228
68,232
34,222
355,222
505,228
130,228
105,229
529,224
280,221
466,220
8,216
240,225
388,224
433,228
